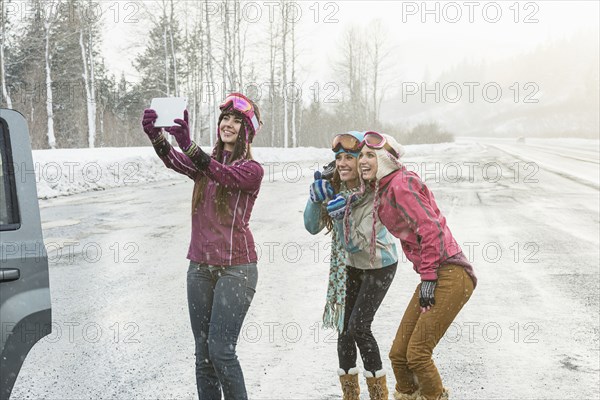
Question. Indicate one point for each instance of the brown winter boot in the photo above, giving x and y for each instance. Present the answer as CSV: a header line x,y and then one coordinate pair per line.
x,y
377,385
444,396
350,386
405,396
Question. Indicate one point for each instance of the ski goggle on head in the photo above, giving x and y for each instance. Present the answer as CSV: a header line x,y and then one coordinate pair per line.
x,y
241,103
374,140
347,142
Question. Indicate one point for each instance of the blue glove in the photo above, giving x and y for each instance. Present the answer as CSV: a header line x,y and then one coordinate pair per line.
x,y
320,189
337,207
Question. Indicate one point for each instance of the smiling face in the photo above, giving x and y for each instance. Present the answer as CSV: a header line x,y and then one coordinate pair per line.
x,y
367,163
347,167
229,129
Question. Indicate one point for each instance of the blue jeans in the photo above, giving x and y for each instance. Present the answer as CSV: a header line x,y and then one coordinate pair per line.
x,y
218,300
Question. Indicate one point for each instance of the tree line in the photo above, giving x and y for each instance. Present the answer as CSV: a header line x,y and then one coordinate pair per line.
x,y
53,71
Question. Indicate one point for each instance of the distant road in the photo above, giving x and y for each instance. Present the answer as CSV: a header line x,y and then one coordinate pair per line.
x,y
571,158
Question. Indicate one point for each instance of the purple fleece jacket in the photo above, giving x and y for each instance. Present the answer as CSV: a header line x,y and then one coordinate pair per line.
x,y
217,239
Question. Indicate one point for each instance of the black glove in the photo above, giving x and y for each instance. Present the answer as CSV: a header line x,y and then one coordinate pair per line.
x,y
198,156
426,298
328,171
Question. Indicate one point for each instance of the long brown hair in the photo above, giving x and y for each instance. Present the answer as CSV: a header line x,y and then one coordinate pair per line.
x,y
241,151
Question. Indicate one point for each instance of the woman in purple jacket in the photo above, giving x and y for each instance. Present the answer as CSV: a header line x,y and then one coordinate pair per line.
x,y
222,275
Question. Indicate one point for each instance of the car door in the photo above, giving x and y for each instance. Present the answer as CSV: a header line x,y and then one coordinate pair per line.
x,y
25,313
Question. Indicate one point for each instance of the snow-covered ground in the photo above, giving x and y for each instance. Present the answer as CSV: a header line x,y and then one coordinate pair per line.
x,y
528,219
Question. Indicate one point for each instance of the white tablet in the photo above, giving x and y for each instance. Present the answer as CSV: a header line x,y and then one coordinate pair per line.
x,y
168,109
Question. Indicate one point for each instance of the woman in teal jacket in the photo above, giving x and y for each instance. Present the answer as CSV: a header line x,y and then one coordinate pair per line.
x,y
362,267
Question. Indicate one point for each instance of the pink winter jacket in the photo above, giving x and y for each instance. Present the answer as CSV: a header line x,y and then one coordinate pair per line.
x,y
408,210
215,239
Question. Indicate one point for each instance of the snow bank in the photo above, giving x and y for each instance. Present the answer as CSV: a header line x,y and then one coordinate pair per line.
x,y
69,171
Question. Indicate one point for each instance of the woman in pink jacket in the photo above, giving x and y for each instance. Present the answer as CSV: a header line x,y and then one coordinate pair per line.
x,y
222,275
408,210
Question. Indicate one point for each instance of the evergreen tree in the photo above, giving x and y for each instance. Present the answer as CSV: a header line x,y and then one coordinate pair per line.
x,y
156,65
67,70
27,74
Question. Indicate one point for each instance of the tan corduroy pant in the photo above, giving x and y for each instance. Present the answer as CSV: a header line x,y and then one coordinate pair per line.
x,y
418,334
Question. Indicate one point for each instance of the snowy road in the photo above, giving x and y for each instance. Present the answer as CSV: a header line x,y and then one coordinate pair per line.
x,y
574,160
530,331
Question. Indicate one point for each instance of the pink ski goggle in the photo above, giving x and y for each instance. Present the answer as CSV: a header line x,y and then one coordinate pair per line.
x,y
374,140
241,103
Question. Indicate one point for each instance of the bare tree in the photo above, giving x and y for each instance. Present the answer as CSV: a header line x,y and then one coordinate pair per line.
x,y
285,30
361,63
3,23
228,74
172,49
48,21
86,43
194,63
296,99
211,76
379,51
239,46
165,34
273,47
232,48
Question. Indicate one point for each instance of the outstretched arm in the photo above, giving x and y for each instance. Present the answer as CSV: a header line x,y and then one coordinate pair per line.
x,y
172,159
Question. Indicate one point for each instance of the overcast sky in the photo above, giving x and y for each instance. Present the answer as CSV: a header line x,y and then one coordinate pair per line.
x,y
465,31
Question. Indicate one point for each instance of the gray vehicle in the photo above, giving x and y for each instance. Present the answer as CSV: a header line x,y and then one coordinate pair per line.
x,y
25,312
